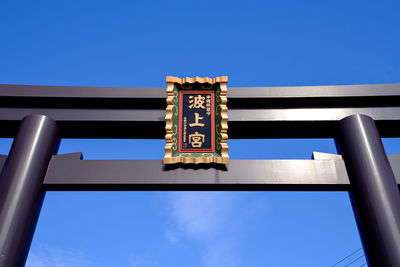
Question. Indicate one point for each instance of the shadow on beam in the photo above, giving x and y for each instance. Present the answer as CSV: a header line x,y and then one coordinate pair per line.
x,y
326,172
70,172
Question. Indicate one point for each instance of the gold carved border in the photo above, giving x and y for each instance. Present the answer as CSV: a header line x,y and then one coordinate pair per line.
x,y
221,79
224,159
168,159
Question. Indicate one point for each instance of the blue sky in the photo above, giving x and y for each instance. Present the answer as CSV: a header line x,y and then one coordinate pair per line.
x,y
255,43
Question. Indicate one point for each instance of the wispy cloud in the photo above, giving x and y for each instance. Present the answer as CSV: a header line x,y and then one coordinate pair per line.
x,y
136,261
45,256
142,260
223,252
201,214
172,237
206,217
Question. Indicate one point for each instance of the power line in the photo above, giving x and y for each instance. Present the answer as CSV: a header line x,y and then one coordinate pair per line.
x,y
354,252
365,264
354,260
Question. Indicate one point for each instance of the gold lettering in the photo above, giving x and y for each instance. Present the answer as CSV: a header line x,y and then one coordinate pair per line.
x,y
197,101
184,129
197,118
196,139
208,105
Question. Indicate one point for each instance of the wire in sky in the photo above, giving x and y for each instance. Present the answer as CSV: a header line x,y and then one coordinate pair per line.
x,y
351,254
354,260
365,264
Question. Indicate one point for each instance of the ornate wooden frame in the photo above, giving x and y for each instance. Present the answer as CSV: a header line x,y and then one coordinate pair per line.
x,y
171,128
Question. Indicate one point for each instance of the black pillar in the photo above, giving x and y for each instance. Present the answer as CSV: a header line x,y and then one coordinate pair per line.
x,y
21,192
374,193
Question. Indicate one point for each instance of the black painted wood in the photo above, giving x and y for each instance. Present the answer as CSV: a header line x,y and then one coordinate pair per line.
x,y
325,172
374,192
21,190
254,112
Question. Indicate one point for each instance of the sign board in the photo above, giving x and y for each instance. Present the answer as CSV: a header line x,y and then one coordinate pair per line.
x,y
196,120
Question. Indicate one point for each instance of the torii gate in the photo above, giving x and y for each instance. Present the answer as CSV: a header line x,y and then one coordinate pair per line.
x,y
355,115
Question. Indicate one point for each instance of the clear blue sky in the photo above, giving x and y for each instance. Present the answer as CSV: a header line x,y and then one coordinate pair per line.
x,y
255,43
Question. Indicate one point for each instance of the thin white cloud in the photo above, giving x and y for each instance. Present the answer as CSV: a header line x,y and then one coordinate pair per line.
x,y
222,253
45,256
201,214
136,260
172,237
206,218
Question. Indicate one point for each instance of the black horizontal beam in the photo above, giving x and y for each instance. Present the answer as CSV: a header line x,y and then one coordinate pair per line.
x,y
235,115
254,123
14,90
325,172
254,112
